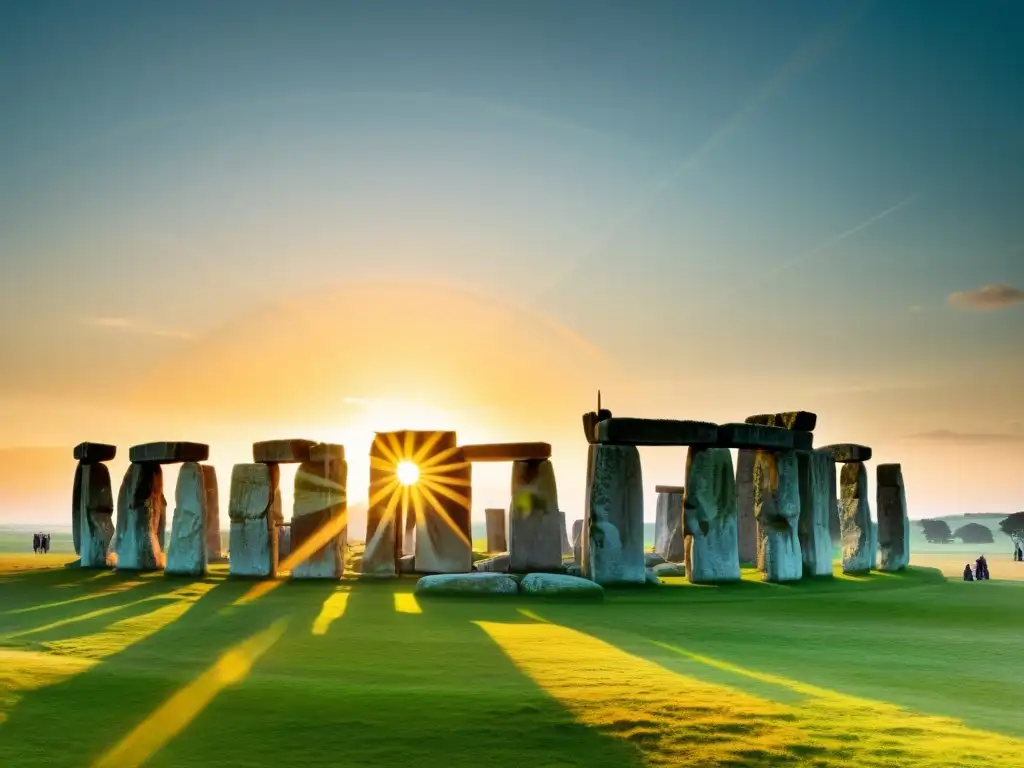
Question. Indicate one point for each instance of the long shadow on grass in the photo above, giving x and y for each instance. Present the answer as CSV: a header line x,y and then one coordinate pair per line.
x,y
382,685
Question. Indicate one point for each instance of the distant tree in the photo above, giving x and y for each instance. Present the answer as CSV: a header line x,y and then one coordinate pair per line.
x,y
1013,526
974,533
936,531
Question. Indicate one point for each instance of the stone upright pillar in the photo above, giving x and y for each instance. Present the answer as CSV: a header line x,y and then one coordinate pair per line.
x,y
187,550
497,541
777,507
577,541
141,499
566,546
668,523
319,528
534,522
817,477
855,518
92,505
211,525
253,544
442,502
746,523
712,550
613,527
893,522
409,535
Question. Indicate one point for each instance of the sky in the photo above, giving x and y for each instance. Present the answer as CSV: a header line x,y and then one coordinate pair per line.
x,y
233,221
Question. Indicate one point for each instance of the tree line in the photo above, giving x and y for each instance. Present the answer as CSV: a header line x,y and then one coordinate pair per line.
x,y
939,532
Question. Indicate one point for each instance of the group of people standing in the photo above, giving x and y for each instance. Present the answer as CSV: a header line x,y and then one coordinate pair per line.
x,y
1018,555
980,572
40,543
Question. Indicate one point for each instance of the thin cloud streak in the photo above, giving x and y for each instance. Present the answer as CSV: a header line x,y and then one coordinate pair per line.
x,y
129,326
988,297
967,438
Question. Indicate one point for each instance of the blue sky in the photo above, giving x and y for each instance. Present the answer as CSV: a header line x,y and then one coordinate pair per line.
x,y
741,205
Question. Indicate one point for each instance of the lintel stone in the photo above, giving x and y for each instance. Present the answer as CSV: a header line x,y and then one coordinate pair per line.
x,y
756,436
803,440
168,453
506,452
805,421
95,453
326,452
633,431
291,451
848,453
669,489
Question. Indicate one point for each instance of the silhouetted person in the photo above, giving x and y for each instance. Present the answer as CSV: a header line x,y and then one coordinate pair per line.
x,y
46,544
1020,555
981,568
968,576
35,543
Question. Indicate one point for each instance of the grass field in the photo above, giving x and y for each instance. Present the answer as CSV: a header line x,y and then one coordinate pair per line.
x,y
113,671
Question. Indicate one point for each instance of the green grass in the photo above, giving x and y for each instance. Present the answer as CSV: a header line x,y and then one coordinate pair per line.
x,y
112,670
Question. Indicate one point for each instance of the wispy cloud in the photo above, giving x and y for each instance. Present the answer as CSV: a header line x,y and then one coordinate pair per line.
x,y
128,325
994,296
968,438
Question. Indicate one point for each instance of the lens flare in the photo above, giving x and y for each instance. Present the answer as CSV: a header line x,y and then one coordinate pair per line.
x,y
408,473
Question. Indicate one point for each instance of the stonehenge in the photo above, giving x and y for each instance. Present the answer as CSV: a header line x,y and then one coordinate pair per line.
x,y
318,529
535,526
777,510
893,523
817,479
855,517
187,553
710,516
92,505
613,528
253,541
746,524
668,523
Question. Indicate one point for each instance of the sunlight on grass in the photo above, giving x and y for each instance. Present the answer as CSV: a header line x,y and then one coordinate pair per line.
x,y
127,632
681,720
405,602
114,589
332,610
72,620
258,590
22,671
172,717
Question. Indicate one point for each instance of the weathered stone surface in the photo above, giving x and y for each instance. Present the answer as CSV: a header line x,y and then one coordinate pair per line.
x,y
668,523
506,452
652,559
577,541
893,522
559,585
534,523
848,453
211,523
746,523
168,453
833,508
497,541
650,577
186,551
777,509
291,451
803,441
76,510
566,545
460,584
590,422
574,570
94,501
497,564
855,518
253,546
805,421
815,469
669,569
409,533
442,504
319,529
709,514
755,436
94,453
613,529
873,545
327,452
138,546
284,542
630,431
407,564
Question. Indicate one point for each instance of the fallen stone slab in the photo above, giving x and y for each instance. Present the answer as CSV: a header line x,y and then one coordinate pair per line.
x,y
462,584
168,453
756,436
506,452
632,431
848,453
94,453
652,559
293,451
559,585
669,569
613,529
802,420
496,564
709,515
534,522
327,452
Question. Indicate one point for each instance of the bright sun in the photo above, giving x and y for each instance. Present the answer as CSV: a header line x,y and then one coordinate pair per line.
x,y
408,473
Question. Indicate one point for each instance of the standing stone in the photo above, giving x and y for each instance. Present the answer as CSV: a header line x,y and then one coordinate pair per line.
x,y
318,518
855,518
211,523
613,527
253,544
145,514
815,468
534,522
668,523
94,500
710,512
777,507
893,522
577,541
834,529
384,513
497,541
187,551
566,546
284,542
442,500
746,523
409,536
